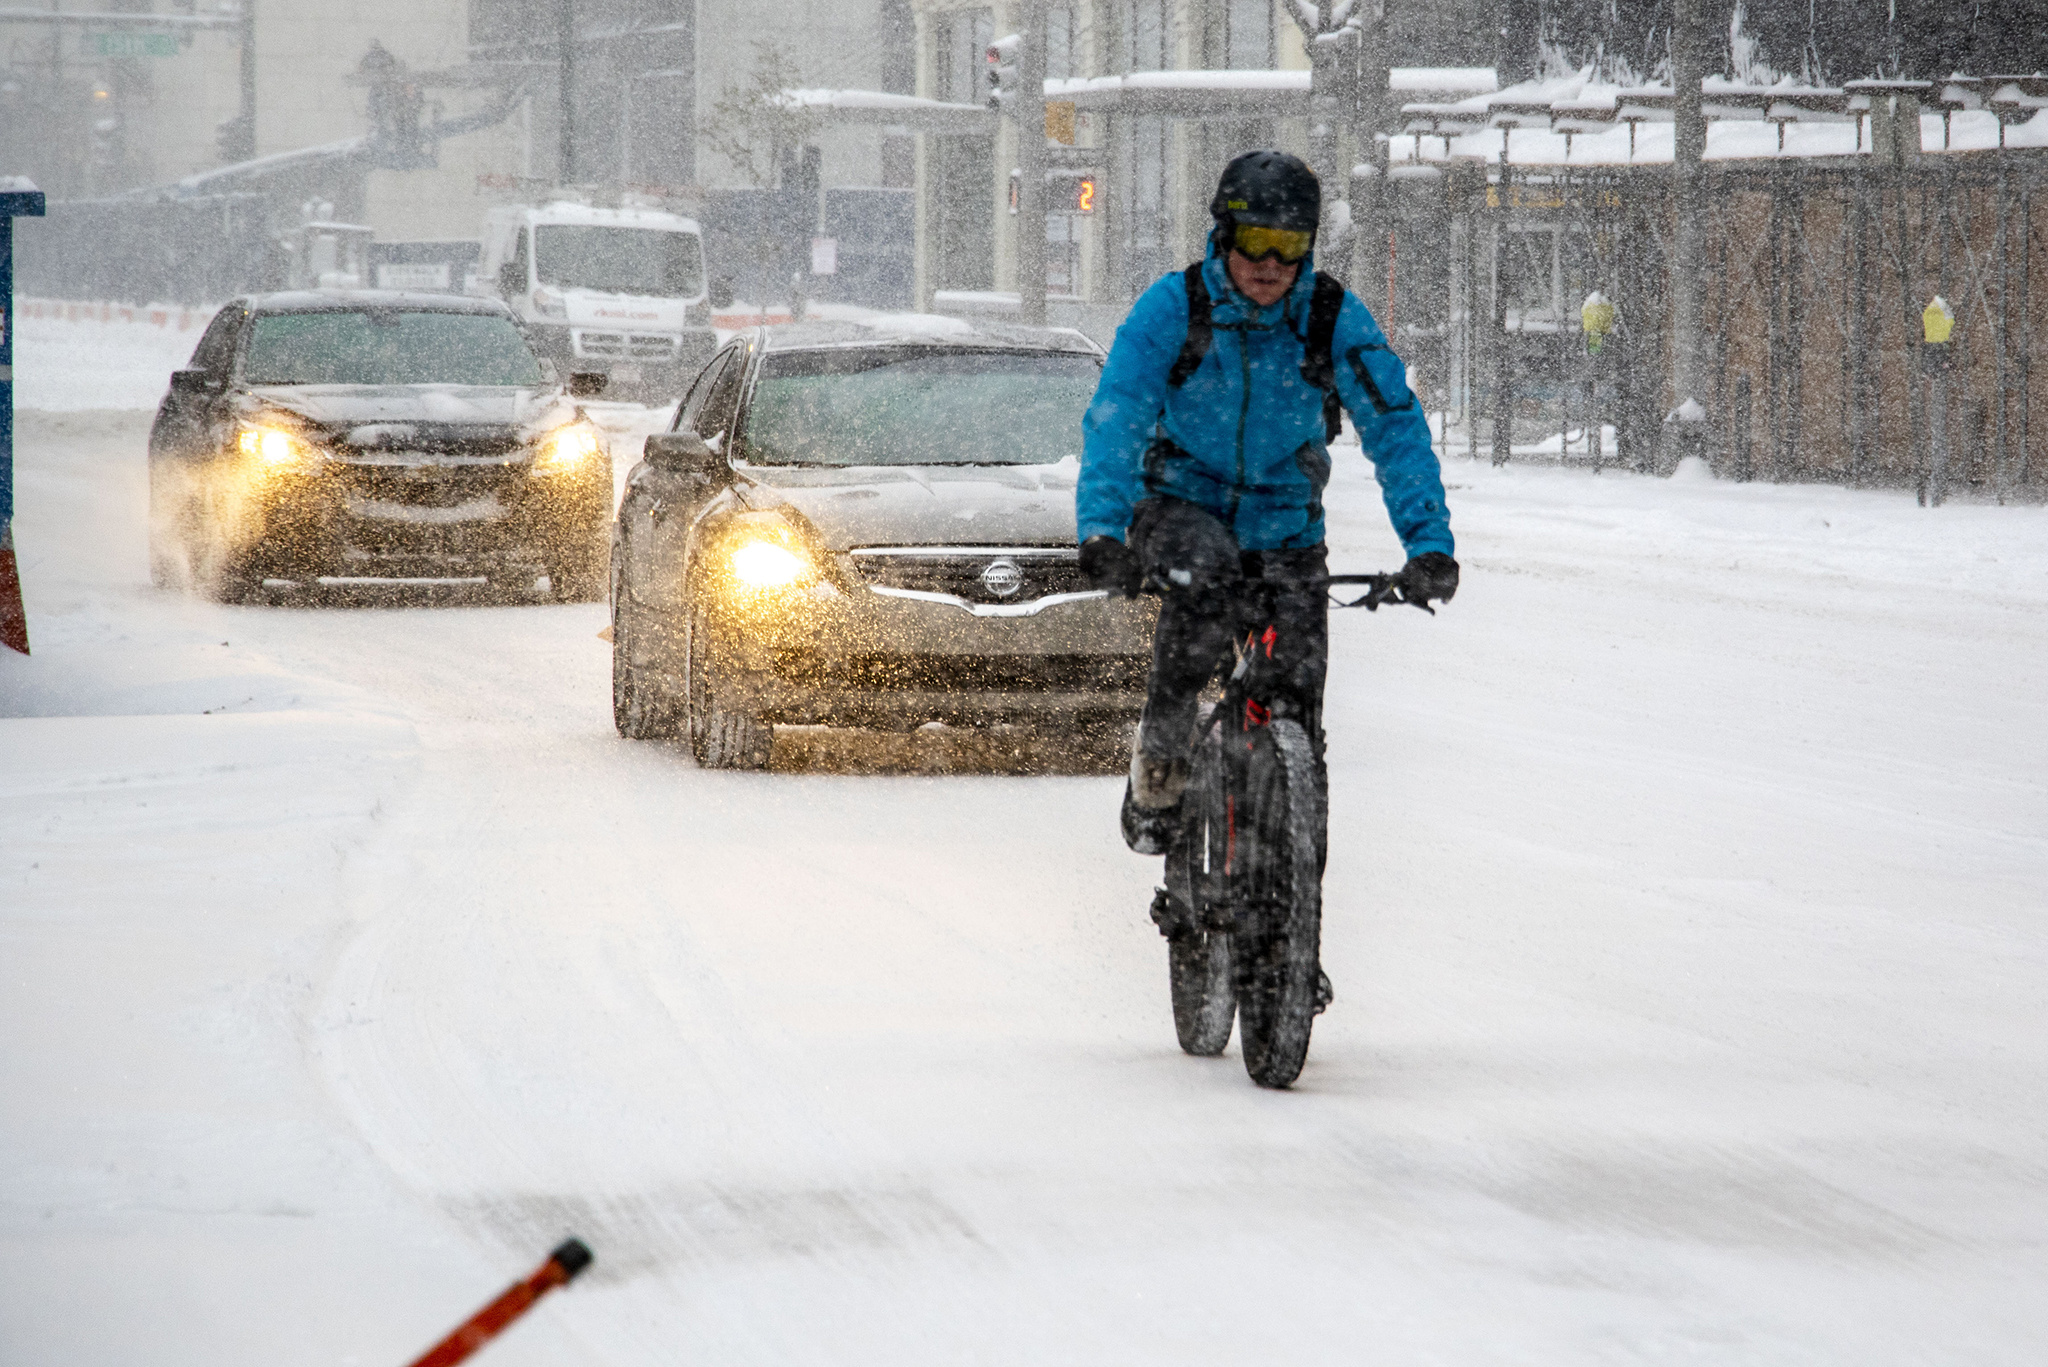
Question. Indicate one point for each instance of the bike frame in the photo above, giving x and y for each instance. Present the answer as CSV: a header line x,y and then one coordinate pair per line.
x,y
1253,697
1242,905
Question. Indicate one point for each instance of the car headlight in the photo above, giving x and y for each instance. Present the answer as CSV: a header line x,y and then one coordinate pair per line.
x,y
549,304
567,449
273,446
767,565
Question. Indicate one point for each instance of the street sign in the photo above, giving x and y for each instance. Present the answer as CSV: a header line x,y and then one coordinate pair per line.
x,y
133,44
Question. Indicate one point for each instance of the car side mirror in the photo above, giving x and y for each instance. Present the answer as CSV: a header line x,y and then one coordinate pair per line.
x,y
189,382
512,278
587,384
687,453
721,293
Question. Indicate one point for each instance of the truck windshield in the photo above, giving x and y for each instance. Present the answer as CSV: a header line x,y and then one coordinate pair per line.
x,y
647,261
388,347
918,406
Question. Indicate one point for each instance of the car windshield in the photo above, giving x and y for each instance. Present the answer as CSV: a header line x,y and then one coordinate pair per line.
x,y
918,406
648,261
388,347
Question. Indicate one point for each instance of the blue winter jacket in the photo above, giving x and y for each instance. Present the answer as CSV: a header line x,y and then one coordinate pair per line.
x,y
1249,430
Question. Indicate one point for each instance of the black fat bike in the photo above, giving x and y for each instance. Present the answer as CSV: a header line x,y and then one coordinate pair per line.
x,y
1242,909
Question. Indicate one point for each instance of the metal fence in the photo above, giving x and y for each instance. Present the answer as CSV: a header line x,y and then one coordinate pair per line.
x,y
142,251
1816,273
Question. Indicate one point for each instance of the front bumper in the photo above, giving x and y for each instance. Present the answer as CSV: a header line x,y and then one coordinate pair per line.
x,y
640,367
461,517
844,650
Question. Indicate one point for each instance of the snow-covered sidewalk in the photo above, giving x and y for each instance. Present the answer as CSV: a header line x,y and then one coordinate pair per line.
x,y
1684,906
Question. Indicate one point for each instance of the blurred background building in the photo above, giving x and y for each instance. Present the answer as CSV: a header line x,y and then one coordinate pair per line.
x,y
183,142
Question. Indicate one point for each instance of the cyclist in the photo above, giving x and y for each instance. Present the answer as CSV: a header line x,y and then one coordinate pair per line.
x,y
1205,452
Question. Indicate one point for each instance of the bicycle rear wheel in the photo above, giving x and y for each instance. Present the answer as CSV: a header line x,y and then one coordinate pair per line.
x,y
1278,871
1197,947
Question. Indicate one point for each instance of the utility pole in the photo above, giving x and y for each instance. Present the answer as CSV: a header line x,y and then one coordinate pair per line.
x,y
1685,427
1030,108
1331,31
565,42
247,117
1363,260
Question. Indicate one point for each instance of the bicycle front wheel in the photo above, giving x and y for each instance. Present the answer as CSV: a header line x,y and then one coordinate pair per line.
x,y
1277,867
1198,945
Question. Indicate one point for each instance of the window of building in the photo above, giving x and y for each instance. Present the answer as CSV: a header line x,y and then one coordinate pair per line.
x,y
1248,35
1147,32
962,222
1062,43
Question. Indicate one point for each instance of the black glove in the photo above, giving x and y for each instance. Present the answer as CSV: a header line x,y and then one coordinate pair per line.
x,y
1431,575
1110,565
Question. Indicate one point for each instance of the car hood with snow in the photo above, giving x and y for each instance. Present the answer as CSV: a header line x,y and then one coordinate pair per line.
x,y
998,505
413,417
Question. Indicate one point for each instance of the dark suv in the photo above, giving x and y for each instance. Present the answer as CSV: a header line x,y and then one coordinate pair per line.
x,y
370,435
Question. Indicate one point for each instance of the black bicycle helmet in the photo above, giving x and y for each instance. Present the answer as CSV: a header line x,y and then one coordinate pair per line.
x,y
1268,189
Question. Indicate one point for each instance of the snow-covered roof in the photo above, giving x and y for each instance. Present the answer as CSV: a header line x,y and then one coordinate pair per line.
x,y
1236,93
1179,94
264,165
568,211
931,329
912,112
1733,139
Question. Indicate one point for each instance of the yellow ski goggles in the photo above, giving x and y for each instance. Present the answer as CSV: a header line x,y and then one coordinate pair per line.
x,y
1288,244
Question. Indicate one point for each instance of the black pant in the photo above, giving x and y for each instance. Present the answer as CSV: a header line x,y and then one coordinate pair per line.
x,y
1206,593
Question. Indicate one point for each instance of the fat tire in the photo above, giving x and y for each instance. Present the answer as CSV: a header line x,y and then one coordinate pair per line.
x,y
1199,969
721,737
220,570
1280,842
232,581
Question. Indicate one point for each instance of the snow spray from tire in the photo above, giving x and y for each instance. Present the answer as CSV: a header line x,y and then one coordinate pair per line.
x,y
473,1333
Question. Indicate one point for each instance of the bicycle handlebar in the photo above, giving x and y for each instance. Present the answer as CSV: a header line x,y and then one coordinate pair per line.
x,y
1380,588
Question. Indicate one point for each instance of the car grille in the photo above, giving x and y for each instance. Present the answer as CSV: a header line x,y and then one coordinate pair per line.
x,y
961,673
480,487
626,346
1022,574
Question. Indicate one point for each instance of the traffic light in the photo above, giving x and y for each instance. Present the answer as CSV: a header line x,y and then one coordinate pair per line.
x,y
1003,83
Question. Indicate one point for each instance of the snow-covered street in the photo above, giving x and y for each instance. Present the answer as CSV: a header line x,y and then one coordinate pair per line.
x,y
1685,908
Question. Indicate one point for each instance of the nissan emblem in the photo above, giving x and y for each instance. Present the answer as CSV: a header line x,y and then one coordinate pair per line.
x,y
1003,578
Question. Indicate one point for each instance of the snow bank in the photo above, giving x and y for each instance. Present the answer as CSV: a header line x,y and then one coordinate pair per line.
x,y
69,357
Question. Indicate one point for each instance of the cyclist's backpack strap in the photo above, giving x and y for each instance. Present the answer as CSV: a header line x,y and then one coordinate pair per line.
x,y
1318,368
1196,346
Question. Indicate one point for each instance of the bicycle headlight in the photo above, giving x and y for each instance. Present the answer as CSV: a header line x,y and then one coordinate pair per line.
x,y
567,449
273,446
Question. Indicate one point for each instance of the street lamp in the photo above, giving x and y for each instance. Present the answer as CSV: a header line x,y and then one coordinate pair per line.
x,y
1937,325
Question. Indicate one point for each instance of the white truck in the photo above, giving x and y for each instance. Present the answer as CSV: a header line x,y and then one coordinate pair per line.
x,y
620,291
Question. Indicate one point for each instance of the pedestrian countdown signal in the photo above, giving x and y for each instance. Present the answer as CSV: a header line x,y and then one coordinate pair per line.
x,y
1070,194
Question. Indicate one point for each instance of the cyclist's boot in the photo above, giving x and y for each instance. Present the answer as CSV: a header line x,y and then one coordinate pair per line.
x,y
1325,993
1151,809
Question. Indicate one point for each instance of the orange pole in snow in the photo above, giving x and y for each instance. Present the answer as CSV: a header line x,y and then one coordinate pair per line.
x,y
562,1265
